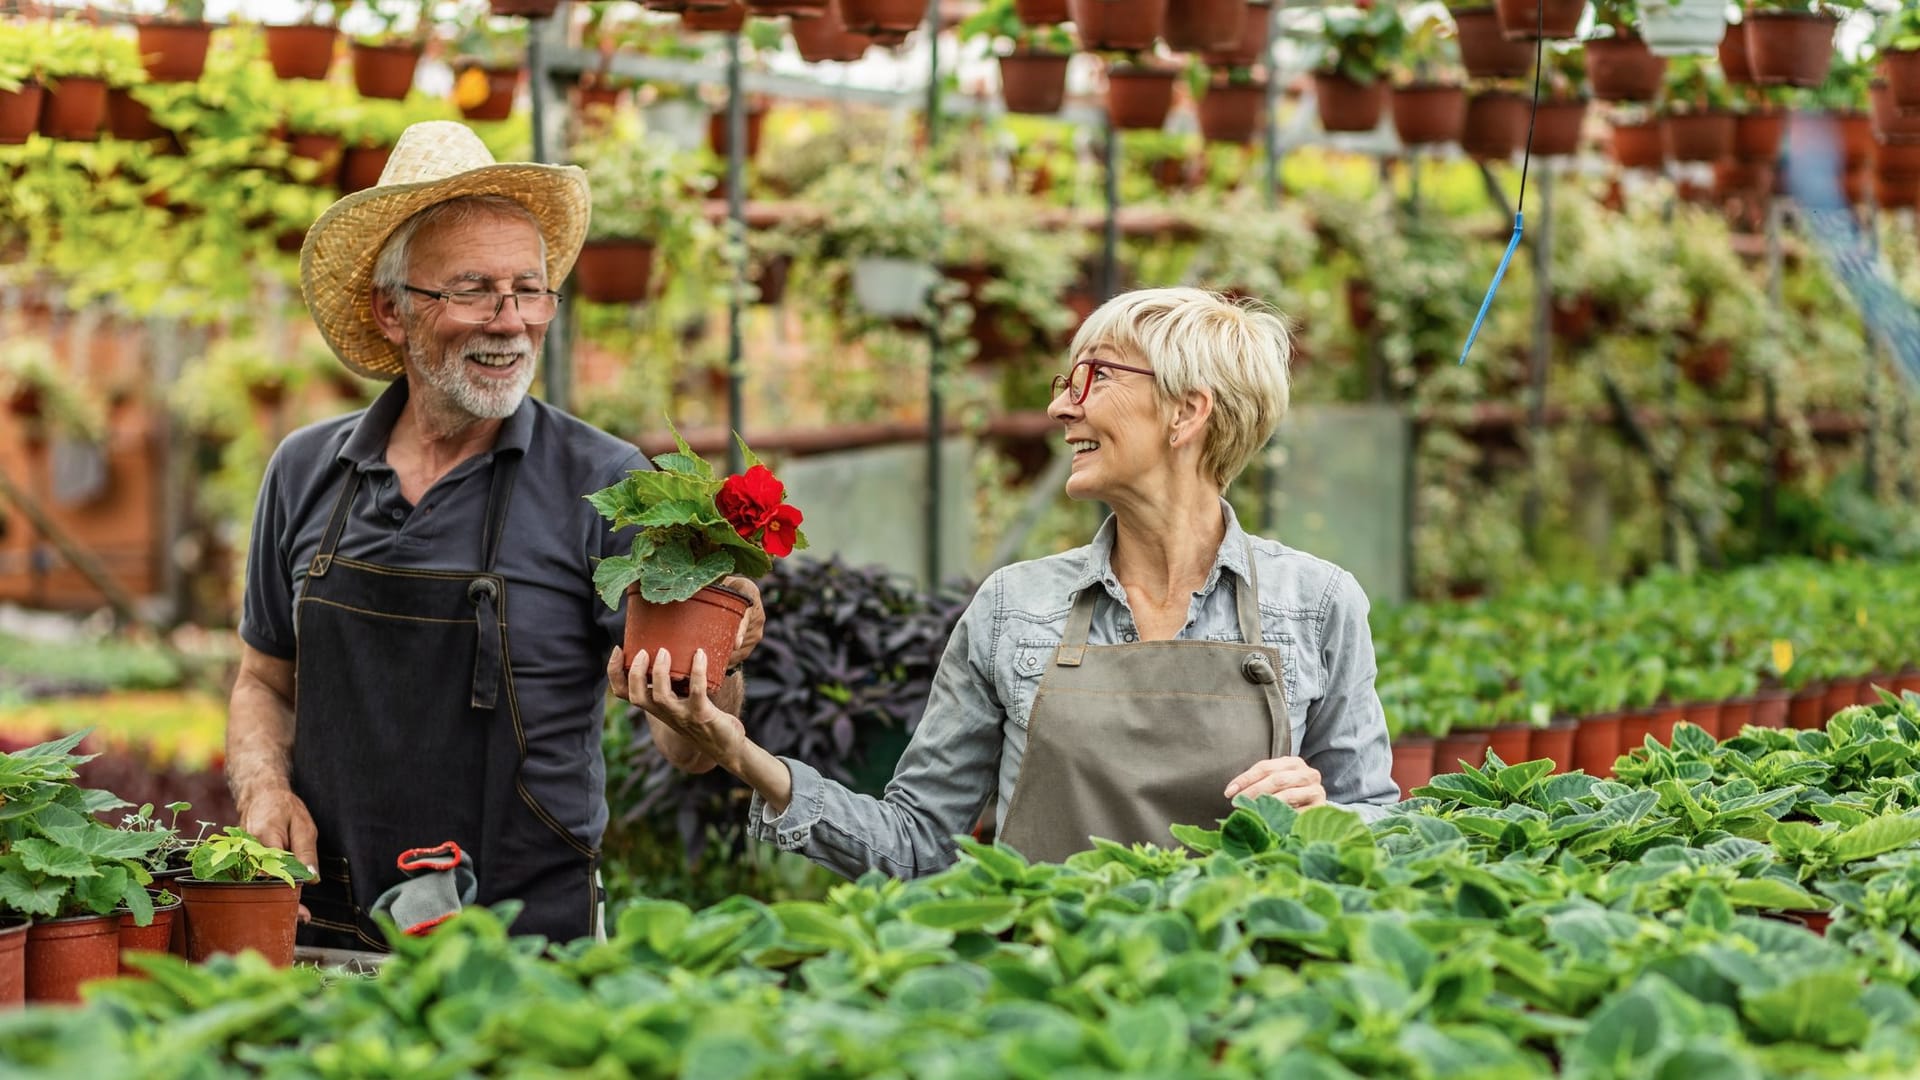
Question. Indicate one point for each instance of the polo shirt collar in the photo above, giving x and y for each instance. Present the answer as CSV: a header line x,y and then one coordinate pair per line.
x,y
366,445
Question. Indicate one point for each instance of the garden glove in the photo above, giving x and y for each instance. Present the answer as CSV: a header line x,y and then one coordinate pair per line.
x,y
440,882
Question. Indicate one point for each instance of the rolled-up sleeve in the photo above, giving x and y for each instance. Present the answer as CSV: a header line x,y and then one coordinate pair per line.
x,y
1346,737
938,790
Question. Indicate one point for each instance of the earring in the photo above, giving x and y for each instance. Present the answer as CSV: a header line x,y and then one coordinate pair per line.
x,y
1174,439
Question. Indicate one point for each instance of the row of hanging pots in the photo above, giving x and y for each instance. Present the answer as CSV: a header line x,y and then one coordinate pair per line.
x,y
1779,48
1232,112
75,109
1224,33
825,37
1489,125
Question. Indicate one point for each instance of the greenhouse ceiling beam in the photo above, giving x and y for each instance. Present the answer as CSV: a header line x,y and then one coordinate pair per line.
x,y
576,62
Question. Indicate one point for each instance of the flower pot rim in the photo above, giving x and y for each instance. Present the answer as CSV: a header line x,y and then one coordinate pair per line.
x,y
13,924
634,590
255,883
70,920
1775,15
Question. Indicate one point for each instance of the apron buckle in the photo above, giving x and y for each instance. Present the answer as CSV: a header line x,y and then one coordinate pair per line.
x,y
481,587
1258,669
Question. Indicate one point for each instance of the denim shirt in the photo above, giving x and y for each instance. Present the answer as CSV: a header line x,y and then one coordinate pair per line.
x,y
973,735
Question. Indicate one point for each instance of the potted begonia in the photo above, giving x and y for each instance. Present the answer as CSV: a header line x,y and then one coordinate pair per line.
x,y
695,528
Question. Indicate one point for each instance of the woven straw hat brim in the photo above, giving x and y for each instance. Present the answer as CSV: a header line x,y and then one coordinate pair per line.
x,y
337,259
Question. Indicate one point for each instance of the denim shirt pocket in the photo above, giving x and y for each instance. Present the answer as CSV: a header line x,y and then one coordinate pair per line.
x,y
1030,660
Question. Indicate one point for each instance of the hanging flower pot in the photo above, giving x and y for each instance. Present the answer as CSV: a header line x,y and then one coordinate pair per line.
x,y
1496,125
490,91
1412,763
1250,47
1639,146
1890,123
1623,69
361,166
1736,177
1042,12
708,620
1139,98
1701,136
1429,113
768,276
1484,50
722,20
1118,25
526,9
1683,27
1895,192
1897,161
1789,47
64,953
1523,20
234,916
156,936
384,71
1901,69
615,271
301,51
20,113
1033,83
883,18
74,109
1757,135
129,119
592,104
1556,127
799,9
1346,105
1204,25
717,131
827,38
173,52
1231,112
889,288
1733,56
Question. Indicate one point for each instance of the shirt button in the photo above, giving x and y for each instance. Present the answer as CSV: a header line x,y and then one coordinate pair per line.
x,y
399,514
1130,636
1030,661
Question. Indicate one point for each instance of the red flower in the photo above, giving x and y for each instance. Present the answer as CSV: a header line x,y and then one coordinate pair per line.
x,y
747,501
782,524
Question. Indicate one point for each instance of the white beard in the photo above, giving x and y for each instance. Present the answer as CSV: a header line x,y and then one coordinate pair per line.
x,y
483,400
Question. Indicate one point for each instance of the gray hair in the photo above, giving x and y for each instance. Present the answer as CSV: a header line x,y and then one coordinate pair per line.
x,y
390,269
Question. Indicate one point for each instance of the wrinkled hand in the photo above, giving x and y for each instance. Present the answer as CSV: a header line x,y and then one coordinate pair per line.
x,y
705,731
753,627
1290,778
279,819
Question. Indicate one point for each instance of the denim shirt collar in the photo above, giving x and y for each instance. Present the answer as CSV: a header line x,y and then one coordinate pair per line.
x,y
366,445
1099,565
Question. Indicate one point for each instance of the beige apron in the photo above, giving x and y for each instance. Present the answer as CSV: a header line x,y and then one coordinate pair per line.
x,y
1126,740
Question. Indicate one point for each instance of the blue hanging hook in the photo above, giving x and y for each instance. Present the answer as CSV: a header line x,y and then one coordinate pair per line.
x,y
1500,272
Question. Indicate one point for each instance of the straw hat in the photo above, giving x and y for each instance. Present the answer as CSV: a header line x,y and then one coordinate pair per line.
x,y
433,162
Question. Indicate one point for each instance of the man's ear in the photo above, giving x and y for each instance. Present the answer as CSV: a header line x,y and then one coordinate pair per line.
x,y
386,315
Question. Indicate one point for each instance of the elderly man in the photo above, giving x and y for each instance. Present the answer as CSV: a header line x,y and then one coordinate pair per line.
x,y
382,705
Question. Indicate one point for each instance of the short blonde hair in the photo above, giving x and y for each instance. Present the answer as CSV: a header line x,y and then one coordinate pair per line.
x,y
1197,339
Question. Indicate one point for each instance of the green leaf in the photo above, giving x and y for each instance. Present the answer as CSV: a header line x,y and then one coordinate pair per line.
x,y
652,488
1819,1007
816,926
616,572
1331,824
24,893
45,857
748,459
696,464
1771,894
1876,837
1709,907
1388,946
673,574
659,923
991,914
1244,834
680,512
1517,779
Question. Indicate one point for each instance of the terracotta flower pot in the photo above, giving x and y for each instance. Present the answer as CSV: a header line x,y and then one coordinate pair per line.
x,y
1770,708
1428,113
1757,135
1639,146
1733,56
1662,722
384,71
1204,25
232,917
1496,126
1907,682
1789,48
1232,113
502,83
1033,83
1251,46
888,18
1804,709
301,51
1841,694
1901,69
526,9
328,150
1734,715
1484,51
1555,743
1512,742
720,20
74,109
169,879
1523,20
709,620
156,936
1346,105
799,9
1458,746
1412,763
173,52
1623,69
1892,124
1896,190
1042,12
1556,127
361,166
718,132
13,962
615,271
20,113
64,953
827,38
1704,136
129,119
1816,921
1117,25
1138,99
1708,716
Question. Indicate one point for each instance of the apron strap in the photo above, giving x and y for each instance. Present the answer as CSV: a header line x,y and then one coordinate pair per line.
x,y
1246,603
484,591
336,524
504,472
1073,646
1261,665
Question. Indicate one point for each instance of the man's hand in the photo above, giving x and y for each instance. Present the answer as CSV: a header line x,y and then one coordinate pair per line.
x,y
679,753
753,627
1291,778
279,819
702,729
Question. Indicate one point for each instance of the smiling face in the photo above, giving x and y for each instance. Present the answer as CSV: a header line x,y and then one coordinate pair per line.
x,y
1118,431
482,371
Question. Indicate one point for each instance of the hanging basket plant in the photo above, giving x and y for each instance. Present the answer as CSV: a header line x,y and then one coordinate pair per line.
x,y
885,20
384,71
1699,123
1789,48
1699,136
1034,83
302,50
325,150
1639,145
1139,98
1118,25
485,92
827,38
1359,53
1733,56
1683,27
1484,50
612,271
1426,114
718,132
1496,125
361,166
1250,46
1622,68
20,112
1346,105
173,51
1231,111
1901,70
1556,129
1530,20
1204,25
1042,12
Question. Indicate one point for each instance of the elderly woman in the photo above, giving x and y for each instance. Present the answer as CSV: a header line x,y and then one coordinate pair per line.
x,y
1144,680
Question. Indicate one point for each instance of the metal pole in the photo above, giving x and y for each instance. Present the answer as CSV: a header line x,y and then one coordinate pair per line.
x,y
1670,392
1110,237
543,96
936,374
737,239
1273,108
1870,473
1770,388
1542,355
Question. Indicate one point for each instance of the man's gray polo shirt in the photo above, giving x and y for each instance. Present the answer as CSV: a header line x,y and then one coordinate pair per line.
x,y
558,632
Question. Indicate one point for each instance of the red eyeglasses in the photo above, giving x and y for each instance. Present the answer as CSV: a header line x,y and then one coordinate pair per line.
x,y
1080,379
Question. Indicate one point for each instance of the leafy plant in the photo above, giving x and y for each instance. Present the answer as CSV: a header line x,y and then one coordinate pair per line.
x,y
694,528
400,22
1431,53
873,211
999,23
169,846
642,190
236,855
1362,45
1695,85
56,858
1899,30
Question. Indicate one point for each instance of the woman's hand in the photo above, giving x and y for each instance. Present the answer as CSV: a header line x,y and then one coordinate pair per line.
x,y
1290,778
698,732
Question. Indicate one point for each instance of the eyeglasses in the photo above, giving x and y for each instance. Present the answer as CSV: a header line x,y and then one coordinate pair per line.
x,y
478,307
1080,379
